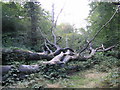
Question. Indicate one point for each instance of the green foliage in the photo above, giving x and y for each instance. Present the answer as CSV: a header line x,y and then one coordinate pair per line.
x,y
11,77
100,13
17,25
112,80
105,63
54,72
12,17
14,58
67,31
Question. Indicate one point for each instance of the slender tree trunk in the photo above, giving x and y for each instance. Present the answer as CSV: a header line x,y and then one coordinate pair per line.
x,y
33,23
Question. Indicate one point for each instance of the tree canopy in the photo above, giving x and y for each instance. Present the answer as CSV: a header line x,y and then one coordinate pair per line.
x,y
100,13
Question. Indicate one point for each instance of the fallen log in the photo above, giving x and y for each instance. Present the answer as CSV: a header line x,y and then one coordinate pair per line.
x,y
22,69
28,68
5,69
62,56
18,54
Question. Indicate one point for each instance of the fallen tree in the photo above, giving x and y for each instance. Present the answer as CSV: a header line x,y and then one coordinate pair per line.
x,y
62,55
22,68
26,54
58,55
60,59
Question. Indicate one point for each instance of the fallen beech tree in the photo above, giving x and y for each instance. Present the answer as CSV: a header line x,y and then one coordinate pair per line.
x,y
58,55
62,58
22,68
27,55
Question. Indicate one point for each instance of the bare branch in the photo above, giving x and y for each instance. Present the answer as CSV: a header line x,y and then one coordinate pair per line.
x,y
58,15
99,49
56,46
54,23
53,14
48,47
105,49
103,46
99,31
28,55
93,51
55,39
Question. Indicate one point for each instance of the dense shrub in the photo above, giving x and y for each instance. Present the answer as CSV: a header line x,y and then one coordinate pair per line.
x,y
106,62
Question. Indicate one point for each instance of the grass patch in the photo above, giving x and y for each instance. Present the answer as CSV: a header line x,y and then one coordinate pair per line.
x,y
83,79
112,80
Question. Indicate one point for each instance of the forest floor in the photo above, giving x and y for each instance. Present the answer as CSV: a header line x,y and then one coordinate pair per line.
x,y
85,79
82,79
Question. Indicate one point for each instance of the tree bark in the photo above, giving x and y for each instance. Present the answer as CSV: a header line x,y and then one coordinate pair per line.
x,y
22,68
27,55
62,55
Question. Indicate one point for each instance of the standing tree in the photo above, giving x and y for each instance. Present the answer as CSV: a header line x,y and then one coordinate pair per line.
x,y
33,13
101,12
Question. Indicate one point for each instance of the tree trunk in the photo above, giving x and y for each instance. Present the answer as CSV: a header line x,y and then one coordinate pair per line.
x,y
62,55
22,68
22,54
